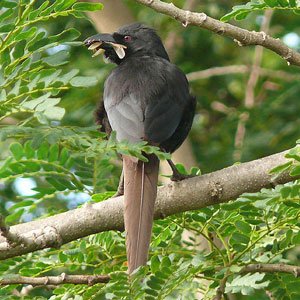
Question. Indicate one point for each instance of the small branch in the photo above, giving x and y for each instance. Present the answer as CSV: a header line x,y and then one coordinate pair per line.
x,y
57,280
11,238
271,268
242,36
221,288
219,71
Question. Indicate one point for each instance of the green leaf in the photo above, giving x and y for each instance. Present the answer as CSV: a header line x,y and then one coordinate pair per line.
x,y
6,14
283,3
55,113
36,12
30,271
50,102
42,152
7,4
282,167
34,103
63,5
165,262
48,10
295,171
64,155
38,44
17,150
65,36
296,238
31,166
66,183
5,57
153,285
19,49
293,3
57,59
83,6
288,237
285,191
55,183
240,238
53,153
151,292
23,203
271,3
155,264
81,81
4,164
7,27
16,215
243,226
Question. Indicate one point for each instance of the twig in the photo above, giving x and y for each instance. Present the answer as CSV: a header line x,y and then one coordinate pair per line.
x,y
219,71
11,238
271,268
221,288
242,36
57,280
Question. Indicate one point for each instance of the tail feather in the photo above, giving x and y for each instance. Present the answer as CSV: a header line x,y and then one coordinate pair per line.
x,y
140,191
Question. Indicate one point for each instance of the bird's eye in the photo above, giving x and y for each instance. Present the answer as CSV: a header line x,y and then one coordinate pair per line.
x,y
127,38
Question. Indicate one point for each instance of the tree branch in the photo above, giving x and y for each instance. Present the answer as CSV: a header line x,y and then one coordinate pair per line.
x,y
242,36
194,193
57,280
271,268
219,71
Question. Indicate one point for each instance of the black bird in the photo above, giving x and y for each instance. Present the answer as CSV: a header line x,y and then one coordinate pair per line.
x,y
146,98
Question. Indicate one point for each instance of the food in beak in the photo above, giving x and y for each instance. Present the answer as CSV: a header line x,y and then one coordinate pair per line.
x,y
95,45
98,52
119,48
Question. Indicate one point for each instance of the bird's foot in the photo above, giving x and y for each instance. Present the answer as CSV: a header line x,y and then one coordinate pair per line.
x,y
177,176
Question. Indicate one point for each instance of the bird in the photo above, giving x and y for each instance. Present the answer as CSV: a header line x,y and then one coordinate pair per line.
x,y
146,98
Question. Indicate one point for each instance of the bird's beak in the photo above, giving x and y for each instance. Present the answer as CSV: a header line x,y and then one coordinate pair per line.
x,y
101,42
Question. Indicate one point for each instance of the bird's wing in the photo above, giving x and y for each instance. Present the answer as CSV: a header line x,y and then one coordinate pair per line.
x,y
165,108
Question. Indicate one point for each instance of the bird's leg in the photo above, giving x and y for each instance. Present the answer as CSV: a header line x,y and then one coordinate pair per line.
x,y
120,190
177,176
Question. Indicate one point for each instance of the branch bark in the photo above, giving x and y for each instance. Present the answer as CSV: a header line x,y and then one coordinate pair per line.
x,y
57,280
271,268
242,36
219,71
194,193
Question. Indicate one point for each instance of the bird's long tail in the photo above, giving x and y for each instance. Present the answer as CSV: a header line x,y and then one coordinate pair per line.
x,y
140,189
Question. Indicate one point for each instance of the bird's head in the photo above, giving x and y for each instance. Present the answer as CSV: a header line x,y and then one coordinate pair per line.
x,y
130,40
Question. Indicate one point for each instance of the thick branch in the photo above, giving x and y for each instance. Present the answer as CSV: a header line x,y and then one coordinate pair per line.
x,y
271,268
242,36
194,193
57,280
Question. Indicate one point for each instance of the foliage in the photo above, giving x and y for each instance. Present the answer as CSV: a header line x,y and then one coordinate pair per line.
x,y
44,138
240,12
